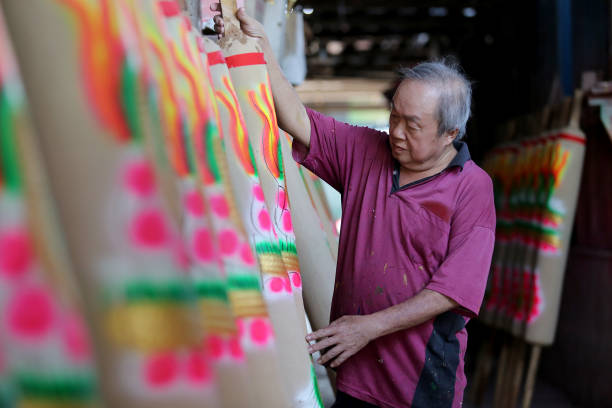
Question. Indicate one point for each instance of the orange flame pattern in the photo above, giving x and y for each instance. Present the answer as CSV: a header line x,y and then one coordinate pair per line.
x,y
270,137
238,131
101,54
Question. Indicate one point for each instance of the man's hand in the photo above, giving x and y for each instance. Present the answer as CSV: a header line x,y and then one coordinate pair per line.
x,y
343,338
248,25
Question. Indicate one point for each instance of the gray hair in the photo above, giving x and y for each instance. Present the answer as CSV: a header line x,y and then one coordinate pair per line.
x,y
455,92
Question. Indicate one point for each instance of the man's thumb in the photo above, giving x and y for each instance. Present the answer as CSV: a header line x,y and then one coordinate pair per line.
x,y
242,15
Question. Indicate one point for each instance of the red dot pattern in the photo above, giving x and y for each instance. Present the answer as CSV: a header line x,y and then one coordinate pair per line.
x,y
220,206
246,254
281,200
148,229
235,348
296,280
16,255
194,203
287,223
260,331
203,245
258,193
161,370
198,368
75,338
214,345
265,222
279,284
228,242
139,178
30,313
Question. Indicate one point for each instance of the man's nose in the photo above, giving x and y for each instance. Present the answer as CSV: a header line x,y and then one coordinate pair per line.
x,y
397,136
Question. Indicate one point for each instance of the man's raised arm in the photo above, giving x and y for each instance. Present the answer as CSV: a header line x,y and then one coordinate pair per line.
x,y
290,112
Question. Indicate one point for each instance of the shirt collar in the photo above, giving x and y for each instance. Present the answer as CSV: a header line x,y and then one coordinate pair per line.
x,y
462,156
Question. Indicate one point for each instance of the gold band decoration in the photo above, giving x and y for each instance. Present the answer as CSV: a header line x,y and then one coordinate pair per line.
x,y
245,296
214,307
153,317
270,260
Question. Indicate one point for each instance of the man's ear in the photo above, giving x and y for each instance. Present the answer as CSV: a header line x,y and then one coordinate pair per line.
x,y
451,136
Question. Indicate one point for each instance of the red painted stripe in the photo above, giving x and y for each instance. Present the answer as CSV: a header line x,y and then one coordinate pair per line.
x,y
200,42
573,138
187,23
241,60
215,57
169,8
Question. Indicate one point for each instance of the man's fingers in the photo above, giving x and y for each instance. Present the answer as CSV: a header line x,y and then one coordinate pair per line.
x,y
325,332
341,359
218,20
246,22
330,355
320,345
215,7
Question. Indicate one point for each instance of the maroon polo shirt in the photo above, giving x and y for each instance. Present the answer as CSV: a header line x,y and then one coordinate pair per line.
x,y
436,233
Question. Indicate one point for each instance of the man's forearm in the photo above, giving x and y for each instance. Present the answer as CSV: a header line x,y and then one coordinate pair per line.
x,y
290,111
420,308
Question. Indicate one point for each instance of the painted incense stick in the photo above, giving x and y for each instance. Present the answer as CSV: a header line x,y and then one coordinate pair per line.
x,y
278,287
316,191
252,91
224,233
45,352
119,234
316,257
537,183
565,157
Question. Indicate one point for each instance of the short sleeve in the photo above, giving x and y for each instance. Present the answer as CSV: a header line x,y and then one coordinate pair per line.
x,y
462,276
336,149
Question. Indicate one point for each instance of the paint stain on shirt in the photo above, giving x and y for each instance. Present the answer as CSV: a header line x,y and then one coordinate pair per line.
x,y
405,280
438,209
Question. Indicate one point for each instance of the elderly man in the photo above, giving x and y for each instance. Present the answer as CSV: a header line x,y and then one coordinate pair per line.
x,y
416,241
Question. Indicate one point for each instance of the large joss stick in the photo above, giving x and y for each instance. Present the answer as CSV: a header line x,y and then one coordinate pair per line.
x,y
319,200
278,288
561,182
204,149
317,250
499,165
45,351
252,91
118,232
537,197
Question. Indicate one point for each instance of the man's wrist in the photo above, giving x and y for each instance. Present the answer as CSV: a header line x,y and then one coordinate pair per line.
x,y
374,326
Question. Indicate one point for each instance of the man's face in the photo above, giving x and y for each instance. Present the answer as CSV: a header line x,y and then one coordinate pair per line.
x,y
413,127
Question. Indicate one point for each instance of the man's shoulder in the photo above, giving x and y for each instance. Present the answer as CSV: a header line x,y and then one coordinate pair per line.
x,y
475,181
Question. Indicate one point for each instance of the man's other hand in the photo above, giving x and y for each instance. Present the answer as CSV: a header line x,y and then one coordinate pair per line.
x,y
248,25
342,339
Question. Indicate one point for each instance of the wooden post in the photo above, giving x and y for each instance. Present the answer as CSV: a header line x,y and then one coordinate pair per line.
x,y
534,361
501,374
517,373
